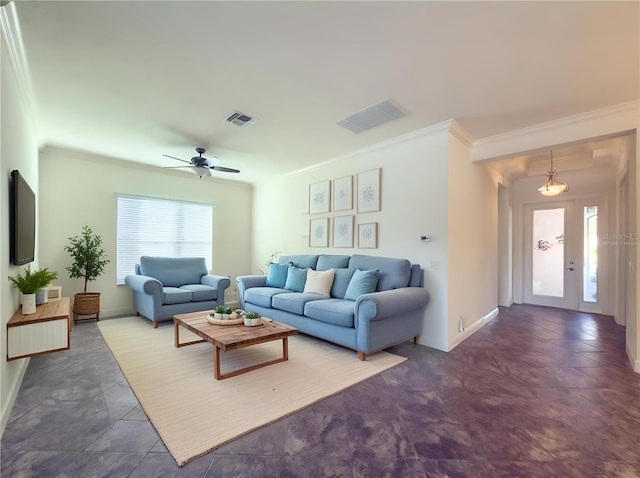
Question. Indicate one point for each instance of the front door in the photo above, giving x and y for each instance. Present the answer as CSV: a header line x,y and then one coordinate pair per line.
x,y
563,262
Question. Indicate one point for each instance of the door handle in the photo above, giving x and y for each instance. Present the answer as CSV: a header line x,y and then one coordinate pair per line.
x,y
571,268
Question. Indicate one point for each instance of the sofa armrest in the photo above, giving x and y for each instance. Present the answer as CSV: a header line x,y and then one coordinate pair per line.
x,y
221,283
145,285
389,303
247,282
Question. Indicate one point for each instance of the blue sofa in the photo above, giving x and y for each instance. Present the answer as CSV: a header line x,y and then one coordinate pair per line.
x,y
366,303
165,286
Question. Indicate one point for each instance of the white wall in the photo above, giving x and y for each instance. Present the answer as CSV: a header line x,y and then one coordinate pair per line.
x,y
18,150
505,246
473,242
80,189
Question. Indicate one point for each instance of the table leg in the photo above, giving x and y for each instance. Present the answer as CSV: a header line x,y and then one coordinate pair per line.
x,y
285,348
216,362
176,334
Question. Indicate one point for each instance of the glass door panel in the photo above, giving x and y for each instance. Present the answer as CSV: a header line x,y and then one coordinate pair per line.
x,y
590,254
548,252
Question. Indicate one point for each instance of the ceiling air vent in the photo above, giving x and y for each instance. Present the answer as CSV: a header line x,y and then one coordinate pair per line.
x,y
370,117
240,119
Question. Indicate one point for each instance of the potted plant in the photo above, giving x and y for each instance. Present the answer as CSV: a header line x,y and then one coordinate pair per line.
x,y
218,311
251,319
46,277
29,284
89,262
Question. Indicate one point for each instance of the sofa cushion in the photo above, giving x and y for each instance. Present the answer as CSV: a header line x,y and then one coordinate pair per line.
x,y
294,302
277,275
201,292
341,280
319,282
393,273
262,296
362,282
173,295
296,278
332,311
300,260
331,261
174,271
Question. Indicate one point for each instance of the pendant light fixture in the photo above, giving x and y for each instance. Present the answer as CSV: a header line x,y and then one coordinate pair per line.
x,y
553,186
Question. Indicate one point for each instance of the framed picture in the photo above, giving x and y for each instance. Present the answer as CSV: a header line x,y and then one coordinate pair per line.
x,y
343,193
368,235
369,191
343,231
319,232
319,197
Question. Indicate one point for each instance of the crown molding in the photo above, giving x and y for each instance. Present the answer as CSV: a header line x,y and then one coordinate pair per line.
x,y
12,38
607,121
462,134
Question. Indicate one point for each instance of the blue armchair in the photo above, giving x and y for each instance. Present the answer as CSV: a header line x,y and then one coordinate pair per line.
x,y
165,286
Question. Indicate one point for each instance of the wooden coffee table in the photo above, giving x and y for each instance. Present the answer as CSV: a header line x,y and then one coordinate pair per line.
x,y
231,337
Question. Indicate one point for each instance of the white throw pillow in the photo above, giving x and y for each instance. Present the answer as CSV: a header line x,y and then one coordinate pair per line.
x,y
319,282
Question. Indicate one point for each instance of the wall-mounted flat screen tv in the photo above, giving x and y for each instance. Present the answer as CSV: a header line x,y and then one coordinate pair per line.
x,y
22,220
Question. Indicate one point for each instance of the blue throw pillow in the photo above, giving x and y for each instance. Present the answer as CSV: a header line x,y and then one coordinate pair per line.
x,y
277,276
296,279
362,282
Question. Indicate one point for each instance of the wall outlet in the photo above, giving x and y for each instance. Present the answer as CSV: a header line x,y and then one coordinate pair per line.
x,y
460,324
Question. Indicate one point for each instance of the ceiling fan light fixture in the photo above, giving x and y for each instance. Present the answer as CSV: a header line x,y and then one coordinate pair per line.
x,y
553,186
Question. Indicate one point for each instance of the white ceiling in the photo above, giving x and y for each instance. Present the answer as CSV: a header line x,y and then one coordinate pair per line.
x,y
139,79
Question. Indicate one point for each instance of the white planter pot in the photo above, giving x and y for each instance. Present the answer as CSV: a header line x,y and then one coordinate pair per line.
x,y
28,303
252,322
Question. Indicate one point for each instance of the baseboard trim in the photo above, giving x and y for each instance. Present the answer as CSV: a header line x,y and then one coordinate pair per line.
x,y
634,361
6,409
469,331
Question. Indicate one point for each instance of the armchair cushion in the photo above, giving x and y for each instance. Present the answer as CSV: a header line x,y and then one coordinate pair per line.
x,y
174,271
173,295
201,292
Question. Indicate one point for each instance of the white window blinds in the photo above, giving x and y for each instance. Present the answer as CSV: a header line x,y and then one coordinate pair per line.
x,y
160,227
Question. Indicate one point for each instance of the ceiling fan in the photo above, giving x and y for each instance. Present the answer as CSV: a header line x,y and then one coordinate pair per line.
x,y
200,165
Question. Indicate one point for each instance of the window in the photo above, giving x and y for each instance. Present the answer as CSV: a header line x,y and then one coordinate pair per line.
x,y
160,227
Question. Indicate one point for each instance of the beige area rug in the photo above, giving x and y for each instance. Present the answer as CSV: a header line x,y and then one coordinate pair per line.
x,y
194,413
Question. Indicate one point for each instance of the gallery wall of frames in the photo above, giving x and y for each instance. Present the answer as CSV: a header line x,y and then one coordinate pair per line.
x,y
338,209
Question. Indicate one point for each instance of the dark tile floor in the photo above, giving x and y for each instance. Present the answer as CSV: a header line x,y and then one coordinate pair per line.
x,y
537,392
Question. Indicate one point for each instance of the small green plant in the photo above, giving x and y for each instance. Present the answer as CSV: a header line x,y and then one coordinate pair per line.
x,y
228,310
32,282
252,315
88,256
221,309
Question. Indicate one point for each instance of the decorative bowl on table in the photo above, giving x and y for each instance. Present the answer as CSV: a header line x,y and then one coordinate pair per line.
x,y
212,320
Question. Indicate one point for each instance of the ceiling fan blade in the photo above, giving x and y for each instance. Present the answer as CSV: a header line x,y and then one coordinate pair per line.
x,y
222,169
175,167
173,157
